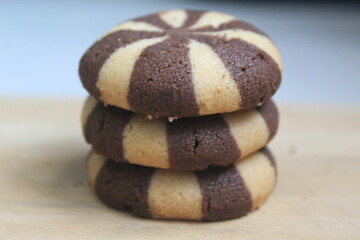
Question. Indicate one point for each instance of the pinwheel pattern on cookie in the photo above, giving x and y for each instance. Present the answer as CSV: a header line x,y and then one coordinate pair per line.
x,y
182,63
217,193
184,144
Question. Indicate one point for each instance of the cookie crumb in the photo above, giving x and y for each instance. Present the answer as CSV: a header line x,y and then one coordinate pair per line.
x,y
171,119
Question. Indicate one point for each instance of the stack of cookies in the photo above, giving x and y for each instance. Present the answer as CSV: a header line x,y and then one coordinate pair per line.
x,y
179,115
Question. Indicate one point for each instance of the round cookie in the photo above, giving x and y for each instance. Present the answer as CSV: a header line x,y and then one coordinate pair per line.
x,y
182,63
184,144
217,193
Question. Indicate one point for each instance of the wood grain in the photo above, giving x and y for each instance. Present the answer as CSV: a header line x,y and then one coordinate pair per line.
x,y
44,193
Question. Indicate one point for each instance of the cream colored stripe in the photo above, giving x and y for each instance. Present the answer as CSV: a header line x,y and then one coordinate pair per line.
x,y
213,19
144,142
260,41
88,106
114,76
175,194
94,165
258,175
249,130
133,26
174,18
215,89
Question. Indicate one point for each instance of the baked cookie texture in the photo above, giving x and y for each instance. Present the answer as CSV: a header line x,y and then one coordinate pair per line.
x,y
184,144
182,63
217,193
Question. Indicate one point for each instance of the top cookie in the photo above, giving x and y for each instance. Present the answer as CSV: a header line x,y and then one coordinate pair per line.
x,y
182,63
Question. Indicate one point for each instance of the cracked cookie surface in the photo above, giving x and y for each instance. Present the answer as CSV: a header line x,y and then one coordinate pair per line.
x,y
184,144
216,193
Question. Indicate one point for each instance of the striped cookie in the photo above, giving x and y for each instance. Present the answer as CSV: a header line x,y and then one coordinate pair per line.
x,y
182,63
217,193
184,144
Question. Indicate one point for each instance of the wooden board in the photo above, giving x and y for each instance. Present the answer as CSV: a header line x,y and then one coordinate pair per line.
x,y
44,193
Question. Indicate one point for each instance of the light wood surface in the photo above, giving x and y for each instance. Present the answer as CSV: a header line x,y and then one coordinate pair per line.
x,y
44,193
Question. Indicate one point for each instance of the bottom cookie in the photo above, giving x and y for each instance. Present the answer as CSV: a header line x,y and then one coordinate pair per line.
x,y
216,193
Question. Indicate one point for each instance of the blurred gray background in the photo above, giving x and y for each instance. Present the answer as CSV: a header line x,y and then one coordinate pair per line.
x,y
42,41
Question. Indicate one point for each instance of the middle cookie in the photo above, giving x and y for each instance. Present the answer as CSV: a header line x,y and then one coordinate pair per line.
x,y
184,144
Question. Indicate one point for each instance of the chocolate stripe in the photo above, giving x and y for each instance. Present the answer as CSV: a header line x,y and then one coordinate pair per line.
x,y
94,58
225,195
125,186
195,143
104,130
269,156
193,17
235,24
161,82
155,20
271,116
255,72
